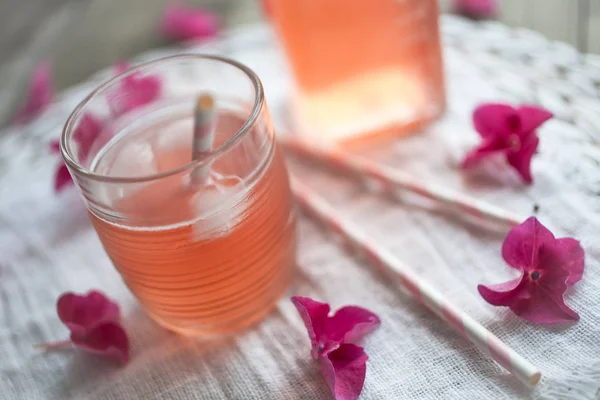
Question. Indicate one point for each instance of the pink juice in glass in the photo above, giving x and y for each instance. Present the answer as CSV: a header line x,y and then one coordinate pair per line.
x,y
362,68
201,260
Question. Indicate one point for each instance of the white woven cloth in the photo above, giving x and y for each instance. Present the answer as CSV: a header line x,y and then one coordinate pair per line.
x,y
47,246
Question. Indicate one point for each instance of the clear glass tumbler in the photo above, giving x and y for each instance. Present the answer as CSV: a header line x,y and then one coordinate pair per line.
x,y
201,259
361,68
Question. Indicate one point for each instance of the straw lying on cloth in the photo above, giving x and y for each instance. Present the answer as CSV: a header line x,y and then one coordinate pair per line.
x,y
393,179
417,288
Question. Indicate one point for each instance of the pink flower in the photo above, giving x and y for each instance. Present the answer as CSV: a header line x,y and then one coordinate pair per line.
x,y
85,135
547,265
509,131
62,178
266,6
39,94
135,90
475,8
93,321
87,131
343,363
181,22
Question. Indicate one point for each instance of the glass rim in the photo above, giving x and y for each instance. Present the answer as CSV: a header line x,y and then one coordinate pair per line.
x,y
249,122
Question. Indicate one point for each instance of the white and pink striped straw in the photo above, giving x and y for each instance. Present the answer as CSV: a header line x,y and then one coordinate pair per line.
x,y
393,179
204,134
416,287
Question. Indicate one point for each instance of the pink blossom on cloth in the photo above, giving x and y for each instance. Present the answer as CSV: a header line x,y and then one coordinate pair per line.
x,y
39,94
62,178
133,91
182,22
266,7
87,131
93,320
547,266
85,135
509,131
333,338
476,9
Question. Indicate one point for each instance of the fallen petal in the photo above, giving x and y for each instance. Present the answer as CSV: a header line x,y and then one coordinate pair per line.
x,y
314,314
181,22
494,120
135,90
350,324
572,258
62,178
85,135
344,371
487,148
545,306
476,8
55,146
108,339
521,160
39,94
82,313
548,266
532,117
521,245
120,67
503,294
266,6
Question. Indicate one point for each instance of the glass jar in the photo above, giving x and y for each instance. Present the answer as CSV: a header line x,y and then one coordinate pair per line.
x,y
361,68
205,258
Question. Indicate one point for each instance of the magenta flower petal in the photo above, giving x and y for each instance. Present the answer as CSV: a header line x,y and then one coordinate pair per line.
x,y
314,314
350,324
548,266
343,364
476,8
344,370
546,304
135,90
532,117
55,146
521,245
493,120
82,314
93,320
108,339
502,294
572,258
120,67
39,94
62,178
181,22
521,160
85,135
487,148
509,131
266,6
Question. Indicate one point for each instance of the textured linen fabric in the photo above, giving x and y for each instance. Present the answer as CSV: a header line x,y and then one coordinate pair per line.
x,y
47,246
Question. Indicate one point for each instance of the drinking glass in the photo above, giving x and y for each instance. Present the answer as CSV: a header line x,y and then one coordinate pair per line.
x,y
201,259
361,68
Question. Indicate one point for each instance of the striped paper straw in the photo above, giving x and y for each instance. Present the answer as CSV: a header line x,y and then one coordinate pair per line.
x,y
204,134
416,287
393,179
